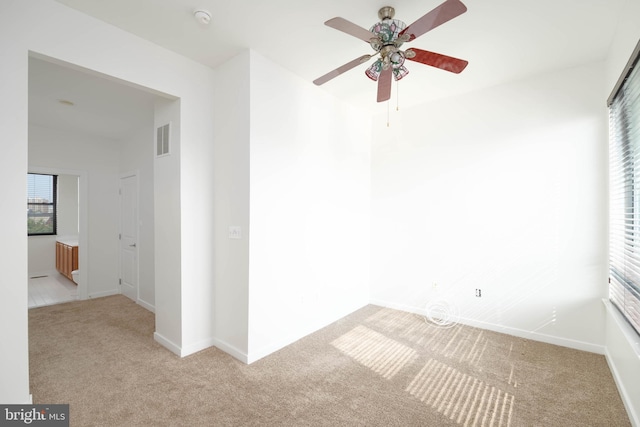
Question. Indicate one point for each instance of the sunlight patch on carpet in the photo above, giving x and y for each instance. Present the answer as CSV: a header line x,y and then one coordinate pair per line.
x,y
463,398
377,352
469,350
465,344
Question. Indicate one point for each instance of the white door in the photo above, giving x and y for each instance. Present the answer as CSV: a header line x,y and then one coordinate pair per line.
x,y
129,236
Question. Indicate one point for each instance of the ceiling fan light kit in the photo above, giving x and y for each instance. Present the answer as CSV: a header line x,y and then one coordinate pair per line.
x,y
386,38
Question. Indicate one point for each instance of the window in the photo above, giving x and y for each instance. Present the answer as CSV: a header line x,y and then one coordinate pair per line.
x,y
41,204
624,204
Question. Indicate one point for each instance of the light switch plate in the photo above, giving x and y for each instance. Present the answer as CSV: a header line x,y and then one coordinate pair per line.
x,y
235,232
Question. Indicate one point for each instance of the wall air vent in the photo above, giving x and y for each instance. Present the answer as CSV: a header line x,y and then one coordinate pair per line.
x,y
162,140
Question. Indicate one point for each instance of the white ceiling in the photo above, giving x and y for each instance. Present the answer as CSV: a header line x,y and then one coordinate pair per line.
x,y
101,107
503,40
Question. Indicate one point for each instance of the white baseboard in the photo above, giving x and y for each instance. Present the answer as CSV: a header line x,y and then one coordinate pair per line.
x,y
620,381
187,350
168,344
146,305
49,273
232,351
104,294
196,347
521,333
254,356
536,336
401,307
623,357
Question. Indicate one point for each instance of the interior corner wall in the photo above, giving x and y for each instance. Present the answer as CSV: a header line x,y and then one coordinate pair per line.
x,y
167,236
502,192
231,205
197,200
309,208
623,344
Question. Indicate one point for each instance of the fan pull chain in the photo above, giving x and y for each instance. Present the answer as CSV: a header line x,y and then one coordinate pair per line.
x,y
387,113
398,96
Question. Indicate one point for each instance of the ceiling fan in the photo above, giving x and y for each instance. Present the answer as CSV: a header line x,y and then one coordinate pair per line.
x,y
386,38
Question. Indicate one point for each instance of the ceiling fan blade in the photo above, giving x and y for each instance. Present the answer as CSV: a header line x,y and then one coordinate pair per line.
x,y
438,16
346,67
350,28
444,62
384,85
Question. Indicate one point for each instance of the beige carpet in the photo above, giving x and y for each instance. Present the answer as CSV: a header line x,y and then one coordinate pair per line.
x,y
376,367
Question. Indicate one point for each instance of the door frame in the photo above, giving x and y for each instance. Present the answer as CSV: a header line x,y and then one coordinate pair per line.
x,y
83,222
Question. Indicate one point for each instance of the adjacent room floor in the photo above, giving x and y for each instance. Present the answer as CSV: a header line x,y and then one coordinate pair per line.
x,y
51,289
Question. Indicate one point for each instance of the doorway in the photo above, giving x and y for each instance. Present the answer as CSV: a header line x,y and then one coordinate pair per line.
x,y
104,126
46,285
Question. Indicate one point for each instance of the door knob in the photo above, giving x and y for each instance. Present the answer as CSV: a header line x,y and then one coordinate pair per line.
x,y
132,246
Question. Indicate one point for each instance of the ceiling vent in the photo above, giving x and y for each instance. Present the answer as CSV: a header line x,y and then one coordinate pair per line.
x,y
162,140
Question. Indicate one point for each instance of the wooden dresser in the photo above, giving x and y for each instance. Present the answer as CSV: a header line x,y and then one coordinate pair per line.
x,y
66,258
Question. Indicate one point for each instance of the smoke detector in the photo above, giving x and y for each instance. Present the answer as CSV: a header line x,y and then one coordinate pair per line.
x,y
202,16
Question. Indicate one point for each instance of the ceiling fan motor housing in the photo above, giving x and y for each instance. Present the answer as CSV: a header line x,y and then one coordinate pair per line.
x,y
386,12
387,42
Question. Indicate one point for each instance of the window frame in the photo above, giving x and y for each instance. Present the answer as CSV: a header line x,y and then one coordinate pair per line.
x,y
624,193
52,204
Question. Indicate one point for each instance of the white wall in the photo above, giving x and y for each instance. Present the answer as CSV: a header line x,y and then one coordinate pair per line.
x,y
14,358
41,255
231,204
623,344
502,190
298,188
309,251
68,206
136,155
60,150
167,238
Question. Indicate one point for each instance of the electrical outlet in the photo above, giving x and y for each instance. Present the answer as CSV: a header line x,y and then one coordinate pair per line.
x,y
478,293
235,232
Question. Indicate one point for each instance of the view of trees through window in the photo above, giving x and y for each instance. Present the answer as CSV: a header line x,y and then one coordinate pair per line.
x,y
41,204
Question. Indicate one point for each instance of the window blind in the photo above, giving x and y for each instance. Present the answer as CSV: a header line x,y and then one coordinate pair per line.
x,y
624,203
